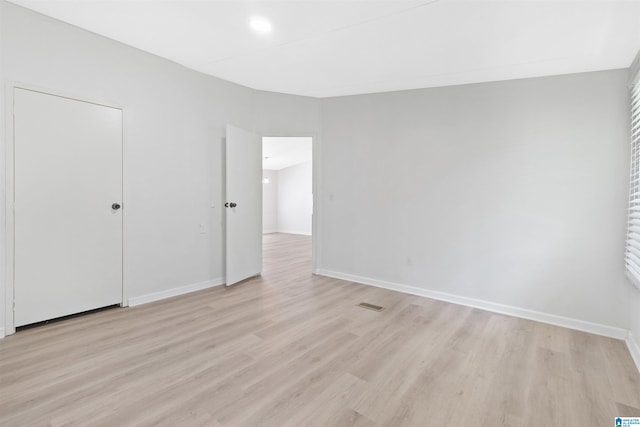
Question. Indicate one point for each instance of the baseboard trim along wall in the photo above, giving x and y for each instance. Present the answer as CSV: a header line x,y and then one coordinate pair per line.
x,y
634,349
156,296
523,313
302,233
2,335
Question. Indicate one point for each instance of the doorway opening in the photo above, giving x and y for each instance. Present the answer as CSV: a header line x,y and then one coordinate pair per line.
x,y
287,202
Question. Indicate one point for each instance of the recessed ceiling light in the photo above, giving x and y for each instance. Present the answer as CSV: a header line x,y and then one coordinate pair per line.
x,y
260,24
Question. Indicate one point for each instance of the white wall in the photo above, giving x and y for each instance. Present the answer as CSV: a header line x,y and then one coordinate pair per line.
x,y
277,114
512,192
295,199
270,202
174,122
288,200
634,341
3,197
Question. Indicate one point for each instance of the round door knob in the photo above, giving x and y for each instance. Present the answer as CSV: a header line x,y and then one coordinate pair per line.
x,y
115,206
233,205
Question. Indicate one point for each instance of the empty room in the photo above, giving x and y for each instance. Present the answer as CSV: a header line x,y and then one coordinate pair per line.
x,y
463,247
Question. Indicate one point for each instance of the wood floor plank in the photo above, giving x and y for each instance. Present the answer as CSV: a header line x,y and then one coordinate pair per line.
x,y
292,349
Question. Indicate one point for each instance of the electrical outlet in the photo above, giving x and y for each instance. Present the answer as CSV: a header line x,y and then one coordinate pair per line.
x,y
203,229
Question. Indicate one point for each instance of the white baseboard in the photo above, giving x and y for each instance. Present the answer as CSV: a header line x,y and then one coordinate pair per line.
x,y
2,335
634,349
156,296
303,233
269,231
580,325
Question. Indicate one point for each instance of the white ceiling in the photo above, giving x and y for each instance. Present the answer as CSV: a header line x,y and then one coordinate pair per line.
x,y
279,153
325,48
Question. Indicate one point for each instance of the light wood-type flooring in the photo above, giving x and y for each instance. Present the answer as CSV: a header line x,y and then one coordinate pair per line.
x,y
292,349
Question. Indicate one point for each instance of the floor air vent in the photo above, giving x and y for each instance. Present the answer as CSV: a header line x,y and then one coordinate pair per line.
x,y
370,306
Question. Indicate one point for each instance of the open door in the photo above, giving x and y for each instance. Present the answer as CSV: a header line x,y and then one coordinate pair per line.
x,y
243,205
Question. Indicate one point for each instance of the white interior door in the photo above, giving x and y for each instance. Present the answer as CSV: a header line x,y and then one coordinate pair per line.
x,y
243,205
68,233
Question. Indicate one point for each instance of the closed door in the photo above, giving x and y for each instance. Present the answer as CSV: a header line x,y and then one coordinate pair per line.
x,y
243,205
68,214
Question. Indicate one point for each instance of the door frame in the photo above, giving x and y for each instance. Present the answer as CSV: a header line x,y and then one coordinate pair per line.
x,y
9,259
316,188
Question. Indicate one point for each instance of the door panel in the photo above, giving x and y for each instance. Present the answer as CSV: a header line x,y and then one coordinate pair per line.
x,y
244,220
68,238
